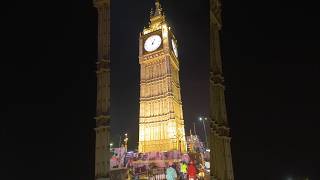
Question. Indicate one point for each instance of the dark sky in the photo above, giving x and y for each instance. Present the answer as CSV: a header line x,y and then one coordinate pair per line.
x,y
271,65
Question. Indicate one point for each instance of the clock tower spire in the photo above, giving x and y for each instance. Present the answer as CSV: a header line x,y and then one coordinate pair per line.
x,y
158,11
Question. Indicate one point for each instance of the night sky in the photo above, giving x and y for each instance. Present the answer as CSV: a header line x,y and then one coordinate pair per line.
x,y
271,65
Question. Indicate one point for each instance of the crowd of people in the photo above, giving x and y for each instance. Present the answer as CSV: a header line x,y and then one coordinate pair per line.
x,y
175,171
193,170
166,165
183,171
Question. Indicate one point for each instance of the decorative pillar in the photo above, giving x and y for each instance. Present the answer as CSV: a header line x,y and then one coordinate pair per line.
x,y
220,154
102,153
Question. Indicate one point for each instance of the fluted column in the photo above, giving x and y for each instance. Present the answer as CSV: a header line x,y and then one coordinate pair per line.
x,y
102,153
219,139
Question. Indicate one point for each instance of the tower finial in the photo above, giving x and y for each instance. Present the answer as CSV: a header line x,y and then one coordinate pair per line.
x,y
158,10
151,12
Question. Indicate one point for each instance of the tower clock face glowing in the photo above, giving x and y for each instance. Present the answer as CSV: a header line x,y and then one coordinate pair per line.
x,y
152,43
174,47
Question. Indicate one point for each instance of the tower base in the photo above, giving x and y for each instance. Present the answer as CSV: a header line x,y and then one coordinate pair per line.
x,y
103,179
119,174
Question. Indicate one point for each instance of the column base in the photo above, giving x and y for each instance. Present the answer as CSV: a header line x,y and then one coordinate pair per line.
x,y
213,178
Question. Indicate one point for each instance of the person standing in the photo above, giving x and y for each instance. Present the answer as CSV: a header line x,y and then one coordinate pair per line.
x,y
171,173
192,171
183,171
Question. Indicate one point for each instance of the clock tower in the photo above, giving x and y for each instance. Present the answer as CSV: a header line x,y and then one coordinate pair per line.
x,y
161,124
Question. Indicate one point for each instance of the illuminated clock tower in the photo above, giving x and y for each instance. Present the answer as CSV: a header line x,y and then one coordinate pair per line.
x,y
161,124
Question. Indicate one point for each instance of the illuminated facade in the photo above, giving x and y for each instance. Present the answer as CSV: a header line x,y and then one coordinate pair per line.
x,y
161,124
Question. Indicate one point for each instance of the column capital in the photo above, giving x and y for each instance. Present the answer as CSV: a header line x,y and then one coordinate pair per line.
x,y
217,79
100,3
102,120
103,64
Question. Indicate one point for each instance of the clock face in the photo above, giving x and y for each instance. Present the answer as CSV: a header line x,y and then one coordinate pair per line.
x,y
174,47
152,43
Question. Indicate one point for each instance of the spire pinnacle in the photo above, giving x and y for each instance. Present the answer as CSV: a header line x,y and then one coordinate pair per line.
x,y
151,12
158,10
